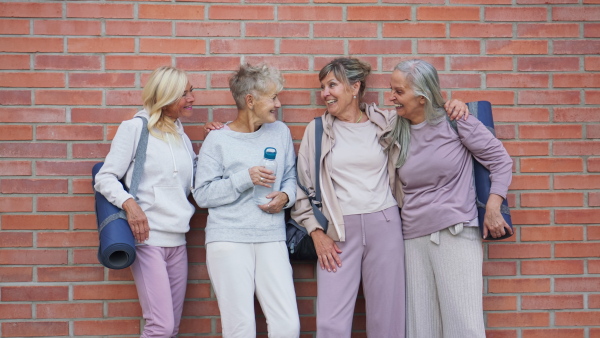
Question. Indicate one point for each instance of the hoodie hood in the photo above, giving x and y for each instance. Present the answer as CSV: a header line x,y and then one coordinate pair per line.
x,y
178,123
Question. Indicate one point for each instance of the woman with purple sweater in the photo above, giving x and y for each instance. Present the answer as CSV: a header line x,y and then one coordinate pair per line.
x,y
443,251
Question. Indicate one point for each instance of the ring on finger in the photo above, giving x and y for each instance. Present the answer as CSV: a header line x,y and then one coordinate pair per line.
x,y
261,179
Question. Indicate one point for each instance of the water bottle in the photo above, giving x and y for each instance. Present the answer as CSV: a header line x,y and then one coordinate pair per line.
x,y
260,192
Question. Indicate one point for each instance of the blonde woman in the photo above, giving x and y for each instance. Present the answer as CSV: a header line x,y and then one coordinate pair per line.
x,y
160,217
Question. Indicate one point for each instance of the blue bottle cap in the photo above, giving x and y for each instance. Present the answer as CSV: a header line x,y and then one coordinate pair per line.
x,y
270,153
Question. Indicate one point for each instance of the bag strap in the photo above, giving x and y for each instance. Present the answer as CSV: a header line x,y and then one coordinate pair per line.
x,y
140,159
316,201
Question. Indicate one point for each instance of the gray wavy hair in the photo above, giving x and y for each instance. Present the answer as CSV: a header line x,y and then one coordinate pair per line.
x,y
254,80
423,78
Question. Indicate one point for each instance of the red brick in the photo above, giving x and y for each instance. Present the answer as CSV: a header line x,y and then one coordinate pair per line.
x,y
35,329
70,274
546,333
447,13
39,80
480,30
16,239
137,62
172,12
593,164
290,29
354,29
588,46
101,115
106,327
576,80
90,150
578,318
378,13
280,62
518,319
576,148
575,114
496,97
591,30
124,98
594,301
14,61
69,132
203,29
517,80
593,131
67,27
101,45
33,257
553,267
31,45
551,131
126,309
506,251
212,63
16,133
68,311
587,13
28,114
202,308
198,291
38,150
66,168
289,46
526,148
85,256
69,97
390,62
32,222
144,28
547,233
593,232
448,47
301,80
515,14
379,46
196,325
232,12
15,311
30,10
104,291
66,203
95,10
592,63
414,30
14,97
15,204
516,47
15,274
556,165
499,268
524,182
83,221
546,63
67,62
577,249
548,30
309,13
34,293
34,186
594,199
548,97
14,27
499,303
551,302
536,200
234,46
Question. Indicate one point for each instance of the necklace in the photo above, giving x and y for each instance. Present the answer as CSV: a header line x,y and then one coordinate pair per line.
x,y
360,117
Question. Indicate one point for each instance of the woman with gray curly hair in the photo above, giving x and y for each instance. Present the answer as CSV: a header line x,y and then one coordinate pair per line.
x,y
245,242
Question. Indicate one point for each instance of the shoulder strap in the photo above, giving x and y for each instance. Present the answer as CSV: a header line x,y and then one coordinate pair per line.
x,y
140,158
318,139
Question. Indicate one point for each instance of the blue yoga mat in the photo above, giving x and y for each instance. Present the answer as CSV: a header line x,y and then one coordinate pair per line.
x,y
117,244
482,110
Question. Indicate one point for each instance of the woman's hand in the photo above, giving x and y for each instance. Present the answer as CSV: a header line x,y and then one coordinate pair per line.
x,y
261,176
456,109
327,251
137,220
493,223
278,200
214,125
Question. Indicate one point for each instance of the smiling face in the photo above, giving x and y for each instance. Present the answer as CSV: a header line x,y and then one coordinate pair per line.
x,y
265,105
338,97
407,103
181,107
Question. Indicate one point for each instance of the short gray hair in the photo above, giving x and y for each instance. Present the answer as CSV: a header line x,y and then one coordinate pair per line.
x,y
254,80
424,81
348,71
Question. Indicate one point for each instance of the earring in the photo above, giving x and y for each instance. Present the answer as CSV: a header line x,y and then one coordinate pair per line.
x,y
354,96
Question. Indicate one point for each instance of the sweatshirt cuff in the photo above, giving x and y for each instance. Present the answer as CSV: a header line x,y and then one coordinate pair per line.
x,y
291,198
500,191
121,198
242,181
311,225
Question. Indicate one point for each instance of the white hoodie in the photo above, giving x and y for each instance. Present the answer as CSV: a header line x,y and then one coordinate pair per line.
x,y
167,180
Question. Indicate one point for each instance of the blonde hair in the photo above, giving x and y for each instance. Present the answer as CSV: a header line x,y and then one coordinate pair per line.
x,y
165,86
254,80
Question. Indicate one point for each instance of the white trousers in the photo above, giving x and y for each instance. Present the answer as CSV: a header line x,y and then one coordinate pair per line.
x,y
237,271
444,284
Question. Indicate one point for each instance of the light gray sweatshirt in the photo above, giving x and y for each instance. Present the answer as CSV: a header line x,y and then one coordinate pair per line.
x,y
166,182
224,186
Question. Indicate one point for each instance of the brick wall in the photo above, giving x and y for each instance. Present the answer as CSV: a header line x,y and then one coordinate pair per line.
x,y
70,71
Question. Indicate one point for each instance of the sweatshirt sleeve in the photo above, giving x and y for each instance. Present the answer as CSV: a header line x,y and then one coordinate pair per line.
x,y
288,181
488,151
212,189
118,160
302,211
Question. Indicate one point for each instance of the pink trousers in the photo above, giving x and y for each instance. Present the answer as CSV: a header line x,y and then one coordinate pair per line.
x,y
160,275
373,251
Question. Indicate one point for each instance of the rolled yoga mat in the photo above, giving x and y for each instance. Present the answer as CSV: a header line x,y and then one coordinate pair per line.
x,y
117,244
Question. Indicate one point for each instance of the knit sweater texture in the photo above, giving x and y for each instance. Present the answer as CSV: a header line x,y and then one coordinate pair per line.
x,y
167,178
223,183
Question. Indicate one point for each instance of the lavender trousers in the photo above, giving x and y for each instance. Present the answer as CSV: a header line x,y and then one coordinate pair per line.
x,y
160,276
373,250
